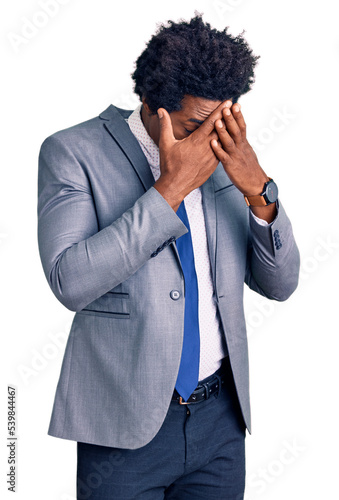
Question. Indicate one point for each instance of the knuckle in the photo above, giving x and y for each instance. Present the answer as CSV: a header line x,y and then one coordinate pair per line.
x,y
223,157
229,143
195,139
210,122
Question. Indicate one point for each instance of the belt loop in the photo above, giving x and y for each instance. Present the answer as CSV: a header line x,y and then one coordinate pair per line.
x,y
219,384
207,392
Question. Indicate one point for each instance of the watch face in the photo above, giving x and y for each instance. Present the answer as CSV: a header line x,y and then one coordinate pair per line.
x,y
272,192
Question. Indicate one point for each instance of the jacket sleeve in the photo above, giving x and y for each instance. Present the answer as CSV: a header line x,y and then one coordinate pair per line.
x,y
80,262
273,258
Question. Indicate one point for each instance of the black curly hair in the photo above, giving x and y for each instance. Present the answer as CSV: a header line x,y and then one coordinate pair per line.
x,y
191,58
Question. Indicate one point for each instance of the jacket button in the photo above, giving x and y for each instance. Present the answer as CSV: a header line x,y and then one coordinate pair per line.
x,y
175,294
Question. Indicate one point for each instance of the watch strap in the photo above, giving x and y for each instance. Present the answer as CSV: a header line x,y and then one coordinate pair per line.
x,y
256,201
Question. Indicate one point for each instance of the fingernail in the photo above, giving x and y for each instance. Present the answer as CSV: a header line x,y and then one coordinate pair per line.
x,y
160,113
236,108
227,111
218,123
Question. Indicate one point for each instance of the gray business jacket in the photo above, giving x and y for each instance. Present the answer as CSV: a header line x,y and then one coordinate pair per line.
x,y
106,241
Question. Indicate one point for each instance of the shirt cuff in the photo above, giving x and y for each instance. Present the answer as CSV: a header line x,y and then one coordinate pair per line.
x,y
261,222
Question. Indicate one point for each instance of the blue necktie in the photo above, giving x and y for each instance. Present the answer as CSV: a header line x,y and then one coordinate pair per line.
x,y
189,365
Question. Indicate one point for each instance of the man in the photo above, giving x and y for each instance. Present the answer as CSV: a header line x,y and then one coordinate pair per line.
x,y
145,231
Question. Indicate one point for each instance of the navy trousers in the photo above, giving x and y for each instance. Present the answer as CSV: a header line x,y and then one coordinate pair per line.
x,y
198,453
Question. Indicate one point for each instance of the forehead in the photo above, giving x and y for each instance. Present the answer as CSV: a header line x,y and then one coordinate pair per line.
x,y
195,109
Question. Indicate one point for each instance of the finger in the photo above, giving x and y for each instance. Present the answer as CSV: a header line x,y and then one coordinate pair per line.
x,y
208,125
232,125
238,116
220,153
224,137
213,135
166,129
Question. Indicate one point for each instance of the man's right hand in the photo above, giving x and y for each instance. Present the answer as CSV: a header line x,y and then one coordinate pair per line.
x,y
185,164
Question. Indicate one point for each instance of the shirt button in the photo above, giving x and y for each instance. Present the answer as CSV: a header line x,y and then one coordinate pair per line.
x,y
175,294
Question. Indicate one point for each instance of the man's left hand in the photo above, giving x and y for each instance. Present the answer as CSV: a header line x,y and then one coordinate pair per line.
x,y
239,159
236,154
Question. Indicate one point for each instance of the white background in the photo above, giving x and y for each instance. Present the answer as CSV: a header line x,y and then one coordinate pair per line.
x,y
70,69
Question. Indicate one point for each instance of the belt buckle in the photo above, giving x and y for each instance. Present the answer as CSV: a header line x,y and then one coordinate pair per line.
x,y
181,402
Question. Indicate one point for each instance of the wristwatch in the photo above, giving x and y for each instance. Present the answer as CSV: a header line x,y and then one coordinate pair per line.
x,y
268,196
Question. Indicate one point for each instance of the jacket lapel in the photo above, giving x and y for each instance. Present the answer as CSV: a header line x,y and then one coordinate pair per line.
x,y
118,128
208,203
217,182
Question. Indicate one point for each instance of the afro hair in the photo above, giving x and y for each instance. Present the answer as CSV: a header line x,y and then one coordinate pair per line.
x,y
191,58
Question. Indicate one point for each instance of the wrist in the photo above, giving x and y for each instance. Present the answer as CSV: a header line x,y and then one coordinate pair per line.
x,y
268,195
257,186
169,191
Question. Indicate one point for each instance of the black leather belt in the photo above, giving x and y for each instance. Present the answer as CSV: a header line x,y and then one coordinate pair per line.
x,y
206,388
